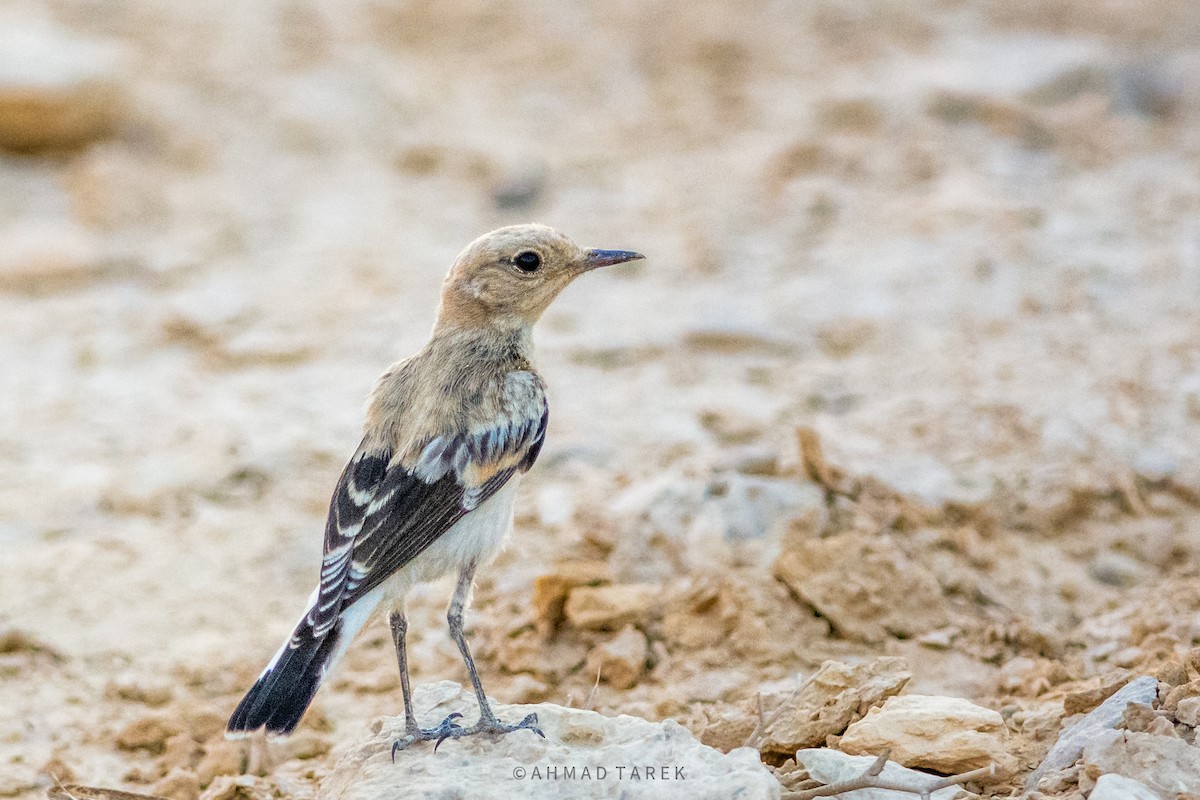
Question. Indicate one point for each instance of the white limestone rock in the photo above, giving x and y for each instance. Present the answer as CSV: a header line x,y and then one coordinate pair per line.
x,y
521,764
830,767
1096,722
1167,765
1118,787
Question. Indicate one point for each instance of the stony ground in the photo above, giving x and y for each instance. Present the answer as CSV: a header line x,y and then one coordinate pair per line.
x,y
912,370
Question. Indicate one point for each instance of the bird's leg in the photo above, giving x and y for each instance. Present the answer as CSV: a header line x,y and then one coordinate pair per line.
x,y
412,732
488,723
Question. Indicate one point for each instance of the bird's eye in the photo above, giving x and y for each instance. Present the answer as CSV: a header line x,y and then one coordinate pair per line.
x,y
528,261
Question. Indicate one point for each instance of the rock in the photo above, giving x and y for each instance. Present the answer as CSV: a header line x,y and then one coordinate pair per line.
x,y
1155,464
1192,663
1096,691
830,766
698,618
1118,787
728,727
550,590
610,607
1177,694
1189,390
527,651
1172,673
520,187
149,732
1146,89
1188,711
150,690
241,787
1138,717
840,338
305,745
732,336
837,695
179,784
742,507
39,258
205,722
522,764
1105,717
256,347
57,91
621,660
749,459
863,584
1168,766
180,750
555,504
17,779
861,115
947,734
16,640
1116,569
1161,726
221,757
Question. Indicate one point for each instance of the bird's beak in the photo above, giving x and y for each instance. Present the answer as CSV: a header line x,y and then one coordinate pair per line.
x,y
595,259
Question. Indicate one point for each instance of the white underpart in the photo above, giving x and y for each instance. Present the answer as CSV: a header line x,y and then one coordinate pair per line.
x,y
477,538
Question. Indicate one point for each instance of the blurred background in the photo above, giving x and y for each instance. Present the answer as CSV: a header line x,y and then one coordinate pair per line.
x,y
953,246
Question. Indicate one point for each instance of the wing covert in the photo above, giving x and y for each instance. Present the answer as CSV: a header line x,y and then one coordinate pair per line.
x,y
384,513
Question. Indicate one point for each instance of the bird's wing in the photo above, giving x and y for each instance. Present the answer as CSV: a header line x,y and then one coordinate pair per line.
x,y
383,513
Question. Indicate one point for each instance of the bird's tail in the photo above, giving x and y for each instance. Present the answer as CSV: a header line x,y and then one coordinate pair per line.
x,y
286,687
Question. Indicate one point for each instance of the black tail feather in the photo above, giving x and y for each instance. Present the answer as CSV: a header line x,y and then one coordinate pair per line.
x,y
283,693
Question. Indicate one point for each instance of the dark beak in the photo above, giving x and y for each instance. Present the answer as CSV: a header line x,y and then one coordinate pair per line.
x,y
606,258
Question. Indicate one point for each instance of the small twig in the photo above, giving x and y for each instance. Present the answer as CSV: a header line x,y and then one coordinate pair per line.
x,y
872,779
587,703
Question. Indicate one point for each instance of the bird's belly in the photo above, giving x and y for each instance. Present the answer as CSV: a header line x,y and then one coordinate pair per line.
x,y
477,537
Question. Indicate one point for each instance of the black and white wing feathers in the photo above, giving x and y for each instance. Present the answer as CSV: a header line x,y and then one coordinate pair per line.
x,y
384,514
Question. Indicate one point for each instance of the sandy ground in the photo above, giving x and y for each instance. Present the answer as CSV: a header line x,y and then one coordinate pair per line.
x,y
957,241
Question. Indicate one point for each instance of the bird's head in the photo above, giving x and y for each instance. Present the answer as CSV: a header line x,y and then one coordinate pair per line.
x,y
508,277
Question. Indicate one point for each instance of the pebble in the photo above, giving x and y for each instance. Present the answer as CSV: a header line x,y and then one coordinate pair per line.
x,y
149,732
946,734
44,257
621,660
1188,711
57,91
610,607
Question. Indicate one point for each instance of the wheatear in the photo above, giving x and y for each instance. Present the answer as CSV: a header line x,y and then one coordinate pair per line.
x,y
430,489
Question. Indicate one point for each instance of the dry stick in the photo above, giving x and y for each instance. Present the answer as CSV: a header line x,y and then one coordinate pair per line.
x,y
871,779
587,704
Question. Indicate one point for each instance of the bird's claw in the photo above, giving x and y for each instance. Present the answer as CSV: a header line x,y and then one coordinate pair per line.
x,y
446,728
449,729
528,724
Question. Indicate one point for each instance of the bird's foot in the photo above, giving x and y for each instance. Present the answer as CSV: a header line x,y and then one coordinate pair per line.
x,y
447,727
490,725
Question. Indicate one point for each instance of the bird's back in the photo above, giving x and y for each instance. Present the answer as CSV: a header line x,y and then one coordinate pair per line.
x,y
461,381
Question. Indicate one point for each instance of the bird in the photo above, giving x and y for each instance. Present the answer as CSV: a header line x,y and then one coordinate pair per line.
x,y
429,491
